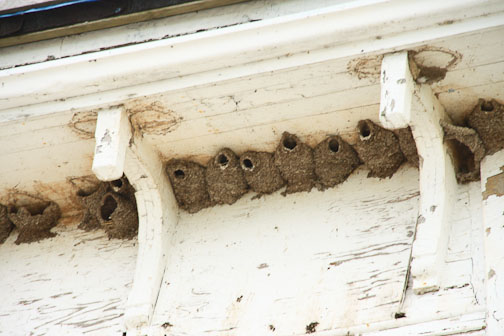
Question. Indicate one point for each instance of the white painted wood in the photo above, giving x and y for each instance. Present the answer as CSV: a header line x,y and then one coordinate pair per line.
x,y
492,187
324,34
437,177
76,283
158,215
112,136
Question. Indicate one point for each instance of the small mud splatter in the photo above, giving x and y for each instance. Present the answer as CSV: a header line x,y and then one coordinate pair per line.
x,y
294,160
225,180
189,185
312,327
379,149
260,171
334,160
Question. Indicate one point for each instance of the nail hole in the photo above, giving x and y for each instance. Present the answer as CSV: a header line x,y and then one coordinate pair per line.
x,y
179,174
108,208
289,143
334,145
247,164
223,160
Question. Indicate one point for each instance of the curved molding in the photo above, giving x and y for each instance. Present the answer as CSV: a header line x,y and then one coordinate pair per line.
x,y
404,103
158,215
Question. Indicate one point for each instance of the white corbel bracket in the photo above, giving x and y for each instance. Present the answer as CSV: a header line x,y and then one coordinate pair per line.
x,y
116,152
112,135
406,103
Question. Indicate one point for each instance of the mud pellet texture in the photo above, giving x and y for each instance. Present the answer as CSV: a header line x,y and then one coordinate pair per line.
x,y
294,159
408,146
260,171
6,225
118,216
225,179
379,149
189,185
467,151
335,160
487,118
91,201
34,221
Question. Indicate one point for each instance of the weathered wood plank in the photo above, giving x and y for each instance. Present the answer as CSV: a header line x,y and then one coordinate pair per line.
x,y
74,283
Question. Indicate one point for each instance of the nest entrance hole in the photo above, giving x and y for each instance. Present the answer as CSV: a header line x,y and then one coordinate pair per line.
x,y
334,145
364,130
289,143
179,174
117,183
487,106
108,208
223,160
247,164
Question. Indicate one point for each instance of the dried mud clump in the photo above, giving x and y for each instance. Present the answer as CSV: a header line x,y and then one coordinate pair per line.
x,y
467,151
334,160
91,201
118,215
487,118
225,180
189,185
34,220
260,171
6,225
379,149
294,159
408,146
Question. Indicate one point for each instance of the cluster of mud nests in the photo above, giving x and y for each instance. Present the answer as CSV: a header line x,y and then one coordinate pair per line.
x,y
110,206
294,165
34,218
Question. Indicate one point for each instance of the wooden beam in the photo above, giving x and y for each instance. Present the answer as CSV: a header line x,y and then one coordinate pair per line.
x,y
492,187
404,103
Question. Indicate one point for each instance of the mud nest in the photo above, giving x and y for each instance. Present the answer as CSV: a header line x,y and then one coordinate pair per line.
x,y
408,146
294,160
117,213
379,149
467,151
35,220
225,179
6,225
91,200
189,185
487,118
334,160
260,172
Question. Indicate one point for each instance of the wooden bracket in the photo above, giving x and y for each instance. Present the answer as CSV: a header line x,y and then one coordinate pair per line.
x,y
112,134
405,103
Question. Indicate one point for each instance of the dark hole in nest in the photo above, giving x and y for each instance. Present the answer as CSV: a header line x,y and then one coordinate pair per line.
x,y
487,106
463,157
364,129
117,183
334,145
108,208
84,193
247,164
179,174
289,143
223,160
